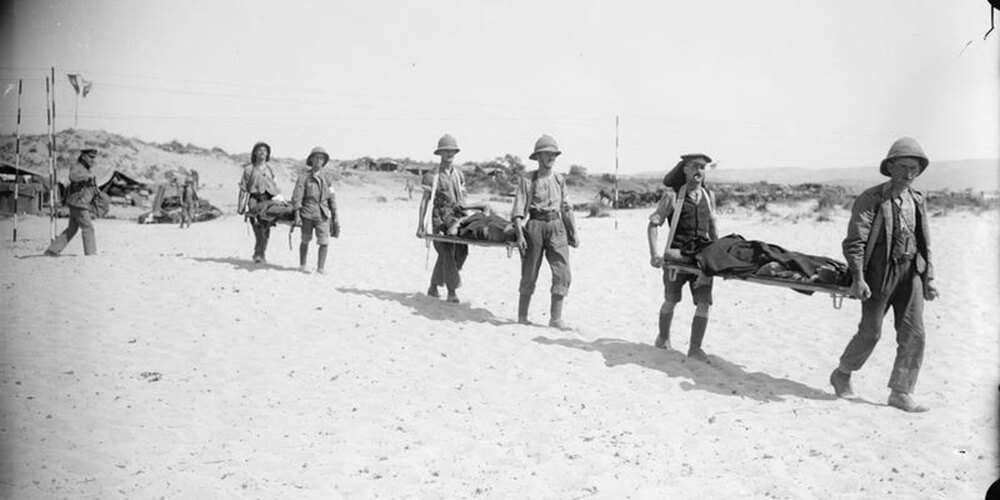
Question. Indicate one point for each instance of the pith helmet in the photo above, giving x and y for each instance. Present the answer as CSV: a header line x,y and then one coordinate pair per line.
x,y
446,143
265,145
906,147
675,178
319,151
545,144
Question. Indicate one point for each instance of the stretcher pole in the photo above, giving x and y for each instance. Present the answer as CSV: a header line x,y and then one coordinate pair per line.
x,y
429,214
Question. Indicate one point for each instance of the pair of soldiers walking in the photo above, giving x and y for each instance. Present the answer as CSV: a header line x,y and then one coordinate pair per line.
x,y
887,250
313,200
542,218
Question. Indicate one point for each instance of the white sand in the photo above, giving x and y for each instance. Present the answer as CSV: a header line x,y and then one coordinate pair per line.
x,y
170,366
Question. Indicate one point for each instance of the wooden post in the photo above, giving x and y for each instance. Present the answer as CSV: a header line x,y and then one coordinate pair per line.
x,y
17,157
615,201
53,193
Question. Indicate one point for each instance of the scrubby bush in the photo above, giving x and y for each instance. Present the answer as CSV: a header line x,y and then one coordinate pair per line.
x,y
831,199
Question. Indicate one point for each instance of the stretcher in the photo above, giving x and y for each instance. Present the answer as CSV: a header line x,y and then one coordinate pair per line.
x,y
430,237
509,245
837,292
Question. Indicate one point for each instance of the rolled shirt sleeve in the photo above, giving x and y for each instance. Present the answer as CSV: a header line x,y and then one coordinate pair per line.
x,y
299,192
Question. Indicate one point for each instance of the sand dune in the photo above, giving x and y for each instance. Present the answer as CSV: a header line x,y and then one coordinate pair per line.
x,y
170,366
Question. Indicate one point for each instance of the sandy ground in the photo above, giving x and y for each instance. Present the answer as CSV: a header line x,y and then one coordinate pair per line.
x,y
169,366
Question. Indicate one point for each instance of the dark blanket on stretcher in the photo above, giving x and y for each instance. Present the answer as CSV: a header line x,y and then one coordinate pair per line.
x,y
487,228
273,211
736,256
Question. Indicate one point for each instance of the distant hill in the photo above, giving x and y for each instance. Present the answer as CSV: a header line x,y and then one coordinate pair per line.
x,y
220,170
978,175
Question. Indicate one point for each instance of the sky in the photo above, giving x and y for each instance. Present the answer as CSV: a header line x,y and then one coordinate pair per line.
x,y
770,83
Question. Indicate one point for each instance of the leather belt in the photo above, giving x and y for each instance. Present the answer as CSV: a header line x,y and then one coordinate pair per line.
x,y
544,216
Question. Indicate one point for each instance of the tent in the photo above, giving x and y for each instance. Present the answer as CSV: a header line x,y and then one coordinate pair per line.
x,y
121,187
32,190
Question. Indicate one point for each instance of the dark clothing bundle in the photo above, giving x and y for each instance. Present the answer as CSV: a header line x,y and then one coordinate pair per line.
x,y
270,211
444,213
735,256
487,228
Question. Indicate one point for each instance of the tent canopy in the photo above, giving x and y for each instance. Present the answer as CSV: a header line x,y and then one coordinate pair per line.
x,y
8,169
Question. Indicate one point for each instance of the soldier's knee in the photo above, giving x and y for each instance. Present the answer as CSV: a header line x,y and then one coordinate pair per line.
x,y
667,307
701,310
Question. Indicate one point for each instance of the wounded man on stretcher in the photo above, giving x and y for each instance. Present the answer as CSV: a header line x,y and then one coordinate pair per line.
x,y
733,256
476,222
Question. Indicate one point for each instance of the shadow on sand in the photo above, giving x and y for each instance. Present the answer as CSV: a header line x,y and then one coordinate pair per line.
x,y
721,377
243,264
432,308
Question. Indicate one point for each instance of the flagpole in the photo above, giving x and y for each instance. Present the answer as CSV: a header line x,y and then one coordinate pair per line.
x,y
54,163
54,190
52,135
17,157
615,207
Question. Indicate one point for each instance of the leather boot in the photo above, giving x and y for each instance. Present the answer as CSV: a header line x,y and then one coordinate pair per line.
x,y
555,312
904,402
663,339
523,302
321,259
303,254
841,382
698,327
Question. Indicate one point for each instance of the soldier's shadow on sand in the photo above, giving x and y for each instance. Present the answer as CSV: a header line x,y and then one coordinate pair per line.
x,y
243,264
432,308
721,377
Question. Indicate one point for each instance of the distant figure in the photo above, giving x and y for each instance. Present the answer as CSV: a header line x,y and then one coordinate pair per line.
x,y
79,197
690,209
258,186
409,188
315,206
549,230
888,252
447,206
189,199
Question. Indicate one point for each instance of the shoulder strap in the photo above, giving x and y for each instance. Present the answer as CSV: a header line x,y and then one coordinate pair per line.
x,y
562,191
430,203
531,192
676,218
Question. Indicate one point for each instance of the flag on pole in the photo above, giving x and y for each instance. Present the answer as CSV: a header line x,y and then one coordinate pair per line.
x,y
80,84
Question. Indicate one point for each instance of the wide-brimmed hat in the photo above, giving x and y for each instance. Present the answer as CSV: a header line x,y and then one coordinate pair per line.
x,y
545,144
259,144
675,178
905,147
446,143
319,151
